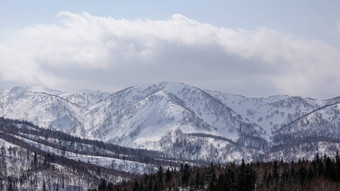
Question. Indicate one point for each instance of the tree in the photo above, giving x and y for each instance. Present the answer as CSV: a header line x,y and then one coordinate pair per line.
x,y
11,186
35,161
110,186
302,175
98,171
3,163
167,175
337,167
186,175
103,185
135,186
213,183
160,174
276,172
44,185
198,180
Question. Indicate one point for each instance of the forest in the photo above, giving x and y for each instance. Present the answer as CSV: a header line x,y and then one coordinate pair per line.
x,y
322,173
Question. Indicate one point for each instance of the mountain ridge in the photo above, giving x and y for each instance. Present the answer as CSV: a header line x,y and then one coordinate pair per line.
x,y
164,116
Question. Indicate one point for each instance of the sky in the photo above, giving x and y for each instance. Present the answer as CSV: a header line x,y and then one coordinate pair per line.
x,y
255,48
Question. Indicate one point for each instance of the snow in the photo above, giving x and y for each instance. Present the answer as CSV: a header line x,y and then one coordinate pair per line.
x,y
143,116
271,112
6,144
108,162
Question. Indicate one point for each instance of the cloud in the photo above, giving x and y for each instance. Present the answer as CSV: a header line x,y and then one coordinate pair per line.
x,y
87,51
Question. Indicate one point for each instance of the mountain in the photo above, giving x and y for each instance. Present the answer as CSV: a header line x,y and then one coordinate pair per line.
x,y
42,108
296,127
185,122
32,158
270,112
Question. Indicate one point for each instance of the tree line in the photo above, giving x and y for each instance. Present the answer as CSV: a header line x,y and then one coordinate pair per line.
x,y
322,173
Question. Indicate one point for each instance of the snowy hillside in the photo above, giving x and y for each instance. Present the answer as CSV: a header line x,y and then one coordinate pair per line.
x,y
180,120
43,109
141,116
32,157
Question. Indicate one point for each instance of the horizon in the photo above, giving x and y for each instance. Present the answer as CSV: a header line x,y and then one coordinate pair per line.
x,y
145,85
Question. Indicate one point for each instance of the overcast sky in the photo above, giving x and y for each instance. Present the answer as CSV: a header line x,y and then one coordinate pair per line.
x,y
254,48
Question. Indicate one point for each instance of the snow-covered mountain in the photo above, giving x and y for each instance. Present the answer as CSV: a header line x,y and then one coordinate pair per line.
x,y
181,120
33,158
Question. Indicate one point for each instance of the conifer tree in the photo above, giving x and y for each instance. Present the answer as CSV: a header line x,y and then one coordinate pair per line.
x,y
167,175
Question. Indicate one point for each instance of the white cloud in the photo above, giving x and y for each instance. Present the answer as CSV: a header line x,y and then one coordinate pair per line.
x,y
86,51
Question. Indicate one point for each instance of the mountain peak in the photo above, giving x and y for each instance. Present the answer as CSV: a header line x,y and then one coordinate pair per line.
x,y
133,115
18,89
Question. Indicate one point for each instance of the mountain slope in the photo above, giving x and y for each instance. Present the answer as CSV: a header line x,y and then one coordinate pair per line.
x,y
43,109
322,123
33,155
271,112
182,121
141,116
